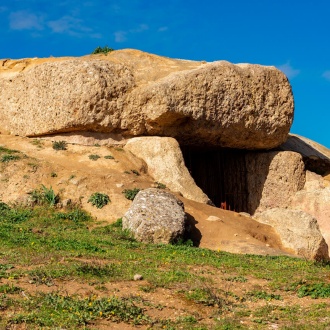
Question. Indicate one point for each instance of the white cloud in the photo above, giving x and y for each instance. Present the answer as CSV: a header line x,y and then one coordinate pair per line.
x,y
25,20
140,28
163,29
288,70
326,75
120,36
70,25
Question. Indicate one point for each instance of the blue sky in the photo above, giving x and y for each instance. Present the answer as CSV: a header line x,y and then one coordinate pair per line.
x,y
292,35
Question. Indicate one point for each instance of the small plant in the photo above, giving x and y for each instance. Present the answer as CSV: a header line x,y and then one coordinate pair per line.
x,y
109,157
59,145
99,200
131,193
239,278
7,158
44,195
102,50
160,185
135,172
205,296
38,143
6,288
264,295
8,151
53,175
4,207
94,157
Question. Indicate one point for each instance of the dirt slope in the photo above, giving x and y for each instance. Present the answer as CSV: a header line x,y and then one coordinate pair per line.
x,y
73,175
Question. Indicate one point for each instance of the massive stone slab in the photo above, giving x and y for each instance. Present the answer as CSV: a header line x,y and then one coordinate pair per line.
x,y
131,93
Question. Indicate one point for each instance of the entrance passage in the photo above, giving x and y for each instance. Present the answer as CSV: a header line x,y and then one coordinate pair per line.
x,y
221,174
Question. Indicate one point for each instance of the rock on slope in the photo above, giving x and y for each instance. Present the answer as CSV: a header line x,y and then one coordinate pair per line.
x,y
156,216
134,93
298,230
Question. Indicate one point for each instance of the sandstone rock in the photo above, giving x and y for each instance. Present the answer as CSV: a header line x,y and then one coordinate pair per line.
x,y
317,204
298,230
166,165
273,178
316,156
155,216
132,93
313,181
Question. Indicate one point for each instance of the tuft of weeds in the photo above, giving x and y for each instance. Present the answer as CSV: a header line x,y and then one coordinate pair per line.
x,y
53,175
257,294
135,172
44,196
7,158
75,215
316,290
98,270
94,157
130,193
4,207
59,145
160,185
109,157
8,151
9,289
102,50
239,279
38,143
205,296
99,200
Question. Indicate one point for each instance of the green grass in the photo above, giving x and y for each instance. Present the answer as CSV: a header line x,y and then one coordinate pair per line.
x,y
48,248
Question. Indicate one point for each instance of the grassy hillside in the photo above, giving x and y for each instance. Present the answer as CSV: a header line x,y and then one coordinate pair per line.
x,y
61,269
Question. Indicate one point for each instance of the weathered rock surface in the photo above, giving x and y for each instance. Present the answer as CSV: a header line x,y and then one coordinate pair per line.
x,y
315,202
298,231
166,165
316,157
156,216
133,93
273,178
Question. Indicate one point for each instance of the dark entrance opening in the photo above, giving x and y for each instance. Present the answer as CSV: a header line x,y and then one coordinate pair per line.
x,y
221,174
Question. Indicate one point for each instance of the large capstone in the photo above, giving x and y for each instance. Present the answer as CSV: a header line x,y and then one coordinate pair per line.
x,y
131,93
